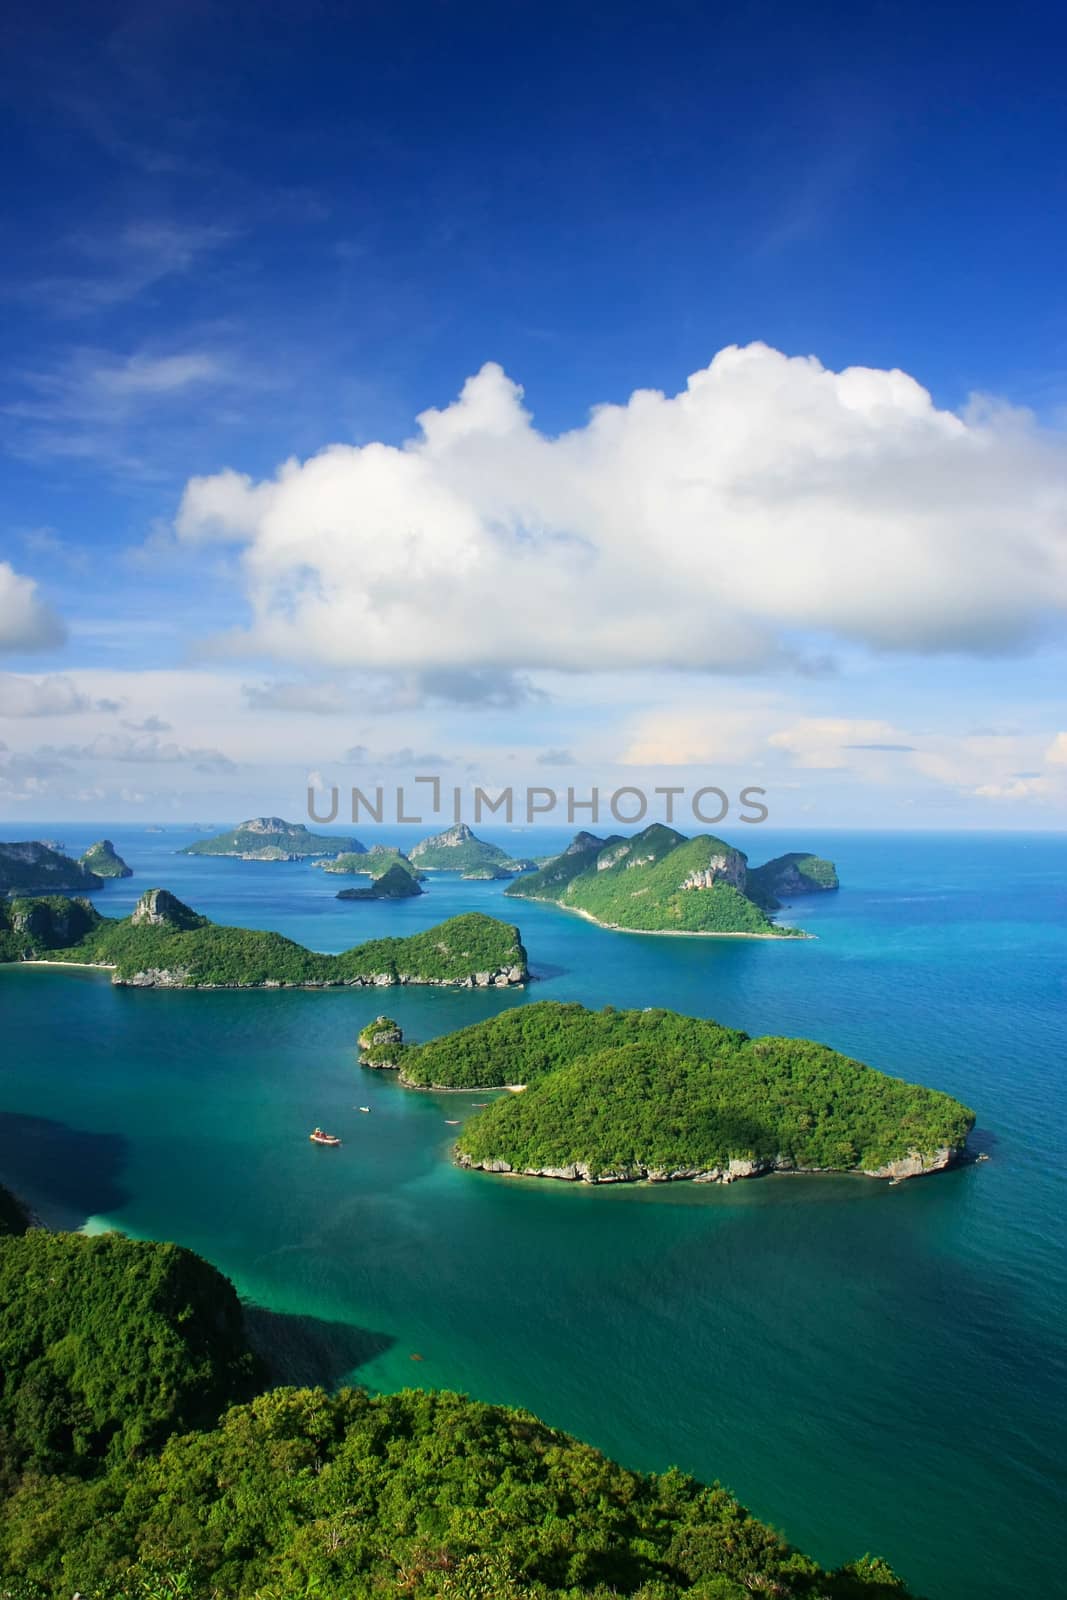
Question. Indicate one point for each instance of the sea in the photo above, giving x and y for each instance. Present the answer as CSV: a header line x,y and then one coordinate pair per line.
x,y
867,1367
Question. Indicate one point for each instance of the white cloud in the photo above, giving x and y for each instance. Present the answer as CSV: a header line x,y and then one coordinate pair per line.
x,y
54,696
824,742
703,530
26,622
141,748
1057,751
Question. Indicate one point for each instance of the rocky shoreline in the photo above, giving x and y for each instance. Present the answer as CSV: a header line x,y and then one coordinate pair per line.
x,y
178,978
912,1165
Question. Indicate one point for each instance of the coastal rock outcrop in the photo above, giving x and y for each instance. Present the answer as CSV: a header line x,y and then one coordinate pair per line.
x,y
158,908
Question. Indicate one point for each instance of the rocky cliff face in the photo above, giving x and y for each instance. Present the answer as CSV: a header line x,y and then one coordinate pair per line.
x,y
158,908
451,839
728,867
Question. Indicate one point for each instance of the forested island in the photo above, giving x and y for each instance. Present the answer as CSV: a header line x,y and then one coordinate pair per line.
x,y
397,882
143,1454
661,882
612,1096
460,850
373,863
273,839
165,944
103,859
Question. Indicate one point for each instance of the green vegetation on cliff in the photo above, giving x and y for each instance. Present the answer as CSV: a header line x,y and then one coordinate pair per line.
x,y
165,944
661,882
114,1350
31,867
102,859
632,1092
272,839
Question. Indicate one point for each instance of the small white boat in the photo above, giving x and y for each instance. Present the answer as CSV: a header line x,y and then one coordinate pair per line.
x,y
365,1108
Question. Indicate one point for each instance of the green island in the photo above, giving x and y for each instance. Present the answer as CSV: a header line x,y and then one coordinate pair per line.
x,y
613,1096
103,859
397,882
143,1455
661,882
460,850
272,839
165,944
373,863
29,866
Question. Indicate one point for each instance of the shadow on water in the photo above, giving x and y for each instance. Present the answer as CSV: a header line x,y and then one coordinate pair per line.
x,y
63,1175
310,1351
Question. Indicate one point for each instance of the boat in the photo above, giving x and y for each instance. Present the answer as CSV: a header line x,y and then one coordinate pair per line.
x,y
479,1105
452,1122
364,1108
318,1137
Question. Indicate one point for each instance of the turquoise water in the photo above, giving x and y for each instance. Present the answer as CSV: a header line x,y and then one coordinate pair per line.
x,y
867,1367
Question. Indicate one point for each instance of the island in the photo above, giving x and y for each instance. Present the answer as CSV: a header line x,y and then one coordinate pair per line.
x,y
615,1096
373,863
395,883
30,866
273,839
659,881
460,850
102,859
164,944
141,1442
788,876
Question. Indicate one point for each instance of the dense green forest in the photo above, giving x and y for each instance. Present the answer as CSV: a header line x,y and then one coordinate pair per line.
x,y
661,882
632,1092
135,1466
164,937
397,883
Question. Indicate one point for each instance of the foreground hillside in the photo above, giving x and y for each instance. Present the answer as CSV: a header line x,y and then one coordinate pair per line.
x,y
661,882
617,1095
115,1349
164,944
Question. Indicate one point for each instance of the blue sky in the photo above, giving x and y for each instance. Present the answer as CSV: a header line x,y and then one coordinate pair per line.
x,y
237,236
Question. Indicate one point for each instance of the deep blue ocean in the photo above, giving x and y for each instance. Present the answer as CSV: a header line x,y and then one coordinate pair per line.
x,y
867,1367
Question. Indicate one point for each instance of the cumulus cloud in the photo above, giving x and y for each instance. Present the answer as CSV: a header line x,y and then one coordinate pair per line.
x,y
54,696
702,529
1057,751
818,742
26,623
141,748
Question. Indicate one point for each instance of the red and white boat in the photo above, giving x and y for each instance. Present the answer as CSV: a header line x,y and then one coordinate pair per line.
x,y
318,1137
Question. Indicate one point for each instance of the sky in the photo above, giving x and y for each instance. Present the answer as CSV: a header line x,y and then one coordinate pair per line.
x,y
614,396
